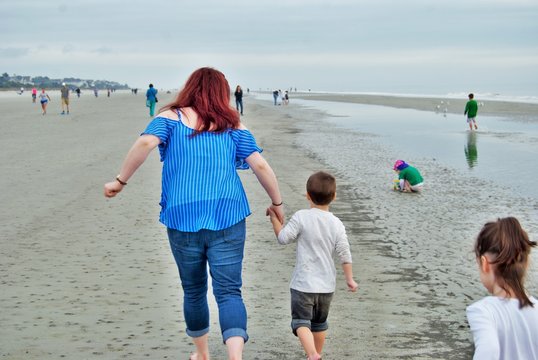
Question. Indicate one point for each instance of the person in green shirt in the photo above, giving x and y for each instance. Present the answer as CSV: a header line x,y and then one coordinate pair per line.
x,y
471,108
409,177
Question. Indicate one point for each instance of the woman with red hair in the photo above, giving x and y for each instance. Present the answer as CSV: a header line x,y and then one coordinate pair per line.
x,y
203,204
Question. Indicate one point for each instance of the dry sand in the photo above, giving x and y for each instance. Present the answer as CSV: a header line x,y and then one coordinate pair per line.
x,y
84,277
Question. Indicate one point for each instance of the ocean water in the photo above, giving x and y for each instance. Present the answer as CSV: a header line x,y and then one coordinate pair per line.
x,y
502,151
486,96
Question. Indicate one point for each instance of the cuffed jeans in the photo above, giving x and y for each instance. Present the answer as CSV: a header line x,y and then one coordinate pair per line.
x,y
223,251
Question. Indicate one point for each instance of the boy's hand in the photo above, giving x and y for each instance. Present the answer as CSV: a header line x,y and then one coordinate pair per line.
x,y
278,211
272,215
352,285
275,220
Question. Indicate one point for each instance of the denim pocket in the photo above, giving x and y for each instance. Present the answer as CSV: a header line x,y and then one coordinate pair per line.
x,y
235,234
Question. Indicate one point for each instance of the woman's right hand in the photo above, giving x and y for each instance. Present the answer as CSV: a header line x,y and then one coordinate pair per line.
x,y
279,212
112,188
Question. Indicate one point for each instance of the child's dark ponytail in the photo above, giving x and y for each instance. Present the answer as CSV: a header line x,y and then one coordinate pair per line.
x,y
510,244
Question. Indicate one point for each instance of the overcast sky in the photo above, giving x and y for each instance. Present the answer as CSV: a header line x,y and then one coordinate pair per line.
x,y
413,46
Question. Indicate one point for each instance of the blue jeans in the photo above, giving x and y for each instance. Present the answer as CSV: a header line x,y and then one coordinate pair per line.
x,y
223,251
239,105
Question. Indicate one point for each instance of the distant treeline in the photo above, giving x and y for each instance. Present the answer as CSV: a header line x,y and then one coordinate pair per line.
x,y
19,81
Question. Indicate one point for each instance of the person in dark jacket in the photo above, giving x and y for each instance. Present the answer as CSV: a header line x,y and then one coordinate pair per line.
x,y
239,99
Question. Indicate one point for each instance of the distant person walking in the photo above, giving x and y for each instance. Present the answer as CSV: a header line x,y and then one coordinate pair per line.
x,y
65,98
320,237
471,109
203,204
151,99
239,99
34,94
96,92
275,96
44,99
78,92
286,99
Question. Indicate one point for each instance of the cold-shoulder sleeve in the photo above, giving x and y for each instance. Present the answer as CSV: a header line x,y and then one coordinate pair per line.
x,y
245,145
162,128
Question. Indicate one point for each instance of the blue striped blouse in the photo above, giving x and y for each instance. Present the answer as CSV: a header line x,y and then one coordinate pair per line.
x,y
200,185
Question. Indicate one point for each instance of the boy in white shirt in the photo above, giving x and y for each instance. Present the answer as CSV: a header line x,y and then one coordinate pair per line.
x,y
319,235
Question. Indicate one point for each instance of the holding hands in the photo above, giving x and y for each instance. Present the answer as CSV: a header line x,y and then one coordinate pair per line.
x,y
276,215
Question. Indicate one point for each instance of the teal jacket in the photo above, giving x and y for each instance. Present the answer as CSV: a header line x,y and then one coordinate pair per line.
x,y
151,94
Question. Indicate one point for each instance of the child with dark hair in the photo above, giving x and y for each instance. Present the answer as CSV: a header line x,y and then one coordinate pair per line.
x,y
319,235
471,109
504,325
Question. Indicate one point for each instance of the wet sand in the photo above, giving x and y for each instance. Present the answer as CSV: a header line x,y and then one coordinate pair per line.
x,y
518,110
93,278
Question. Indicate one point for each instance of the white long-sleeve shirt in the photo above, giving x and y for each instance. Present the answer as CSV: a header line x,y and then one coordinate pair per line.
x,y
320,235
501,330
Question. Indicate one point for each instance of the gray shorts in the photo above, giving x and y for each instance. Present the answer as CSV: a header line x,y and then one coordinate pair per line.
x,y
471,120
310,310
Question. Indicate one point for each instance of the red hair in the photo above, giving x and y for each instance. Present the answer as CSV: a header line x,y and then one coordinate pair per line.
x,y
207,92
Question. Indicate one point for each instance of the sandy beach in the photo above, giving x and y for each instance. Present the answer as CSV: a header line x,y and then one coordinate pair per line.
x,y
84,277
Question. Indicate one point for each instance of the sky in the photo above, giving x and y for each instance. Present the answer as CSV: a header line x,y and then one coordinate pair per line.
x,y
410,47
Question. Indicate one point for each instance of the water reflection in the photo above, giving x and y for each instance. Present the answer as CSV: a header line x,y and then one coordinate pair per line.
x,y
471,152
